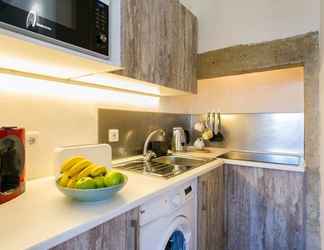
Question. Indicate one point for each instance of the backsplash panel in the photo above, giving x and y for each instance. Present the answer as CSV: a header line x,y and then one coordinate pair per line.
x,y
134,127
262,132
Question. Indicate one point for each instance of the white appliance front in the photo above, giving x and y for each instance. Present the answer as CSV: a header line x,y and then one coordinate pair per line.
x,y
169,221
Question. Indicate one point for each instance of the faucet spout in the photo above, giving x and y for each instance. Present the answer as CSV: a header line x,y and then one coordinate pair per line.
x,y
148,155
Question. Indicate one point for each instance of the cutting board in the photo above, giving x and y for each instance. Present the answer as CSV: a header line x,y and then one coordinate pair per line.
x,y
99,154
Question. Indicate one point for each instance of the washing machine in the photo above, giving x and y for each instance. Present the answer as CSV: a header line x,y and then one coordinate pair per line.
x,y
169,221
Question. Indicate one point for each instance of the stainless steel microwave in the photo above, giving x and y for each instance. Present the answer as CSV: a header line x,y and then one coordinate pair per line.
x,y
82,25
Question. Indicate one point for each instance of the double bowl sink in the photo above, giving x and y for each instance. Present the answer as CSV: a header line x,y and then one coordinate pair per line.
x,y
165,166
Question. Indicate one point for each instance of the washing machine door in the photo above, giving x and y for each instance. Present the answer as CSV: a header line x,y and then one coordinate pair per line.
x,y
178,236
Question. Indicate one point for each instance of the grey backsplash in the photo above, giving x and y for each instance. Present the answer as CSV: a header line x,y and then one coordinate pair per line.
x,y
134,127
261,132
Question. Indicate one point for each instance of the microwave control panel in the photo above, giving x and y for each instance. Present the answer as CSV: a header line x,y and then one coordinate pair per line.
x,y
102,27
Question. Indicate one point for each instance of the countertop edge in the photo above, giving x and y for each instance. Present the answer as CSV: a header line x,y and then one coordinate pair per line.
x,y
217,152
270,166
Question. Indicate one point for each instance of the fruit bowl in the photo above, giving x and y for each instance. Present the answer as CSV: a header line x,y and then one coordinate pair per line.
x,y
88,195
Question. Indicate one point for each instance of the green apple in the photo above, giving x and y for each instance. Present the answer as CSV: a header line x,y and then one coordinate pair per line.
x,y
100,181
113,179
85,183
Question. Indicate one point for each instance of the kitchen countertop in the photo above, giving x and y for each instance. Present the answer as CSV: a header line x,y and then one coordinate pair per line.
x,y
43,217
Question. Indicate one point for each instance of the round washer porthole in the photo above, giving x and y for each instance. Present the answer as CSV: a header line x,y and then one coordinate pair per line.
x,y
177,241
178,236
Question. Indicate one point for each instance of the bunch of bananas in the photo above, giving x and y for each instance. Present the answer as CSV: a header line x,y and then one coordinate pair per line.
x,y
79,172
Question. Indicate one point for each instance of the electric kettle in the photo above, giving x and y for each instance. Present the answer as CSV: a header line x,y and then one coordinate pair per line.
x,y
178,139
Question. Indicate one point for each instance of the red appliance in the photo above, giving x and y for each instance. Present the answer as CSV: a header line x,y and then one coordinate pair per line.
x,y
12,163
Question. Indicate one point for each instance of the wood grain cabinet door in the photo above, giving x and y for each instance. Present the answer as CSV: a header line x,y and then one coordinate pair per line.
x,y
210,230
159,43
120,233
264,209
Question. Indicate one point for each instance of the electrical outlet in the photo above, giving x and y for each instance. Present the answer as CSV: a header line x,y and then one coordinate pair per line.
x,y
32,138
113,135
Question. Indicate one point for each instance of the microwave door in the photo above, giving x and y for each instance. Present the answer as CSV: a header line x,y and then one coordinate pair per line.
x,y
63,20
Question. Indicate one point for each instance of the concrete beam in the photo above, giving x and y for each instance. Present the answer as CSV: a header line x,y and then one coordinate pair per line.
x,y
277,54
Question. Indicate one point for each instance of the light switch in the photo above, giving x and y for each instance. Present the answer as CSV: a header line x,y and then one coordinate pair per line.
x,y
113,135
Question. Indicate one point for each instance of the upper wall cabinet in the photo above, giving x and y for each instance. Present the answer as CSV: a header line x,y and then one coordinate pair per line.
x,y
159,43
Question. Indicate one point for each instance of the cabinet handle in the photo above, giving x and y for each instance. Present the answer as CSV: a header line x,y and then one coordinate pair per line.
x,y
135,225
204,195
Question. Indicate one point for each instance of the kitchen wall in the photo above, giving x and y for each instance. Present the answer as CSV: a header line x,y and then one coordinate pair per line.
x,y
67,115
62,114
225,23
280,91
322,121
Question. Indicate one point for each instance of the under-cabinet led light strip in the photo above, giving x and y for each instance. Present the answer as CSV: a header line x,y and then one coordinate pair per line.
x,y
118,85
24,83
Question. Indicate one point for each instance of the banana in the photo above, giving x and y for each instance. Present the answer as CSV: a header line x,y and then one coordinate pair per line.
x,y
69,163
87,171
64,180
99,170
77,168
72,182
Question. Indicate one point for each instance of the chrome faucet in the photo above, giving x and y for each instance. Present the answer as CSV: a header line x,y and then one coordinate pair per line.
x,y
148,155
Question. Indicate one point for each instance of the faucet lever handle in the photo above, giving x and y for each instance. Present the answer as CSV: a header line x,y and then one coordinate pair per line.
x,y
149,155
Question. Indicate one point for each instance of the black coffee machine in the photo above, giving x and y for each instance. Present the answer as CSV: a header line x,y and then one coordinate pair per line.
x,y
12,163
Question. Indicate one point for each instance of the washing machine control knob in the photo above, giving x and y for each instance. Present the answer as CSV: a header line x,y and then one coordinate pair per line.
x,y
176,200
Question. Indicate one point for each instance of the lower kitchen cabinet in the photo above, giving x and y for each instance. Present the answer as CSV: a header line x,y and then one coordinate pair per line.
x,y
210,230
120,233
264,209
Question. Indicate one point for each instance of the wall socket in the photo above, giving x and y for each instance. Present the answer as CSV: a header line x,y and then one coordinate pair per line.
x,y
113,135
32,138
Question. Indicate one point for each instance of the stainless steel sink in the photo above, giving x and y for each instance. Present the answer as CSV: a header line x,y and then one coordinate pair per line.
x,y
180,160
166,166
